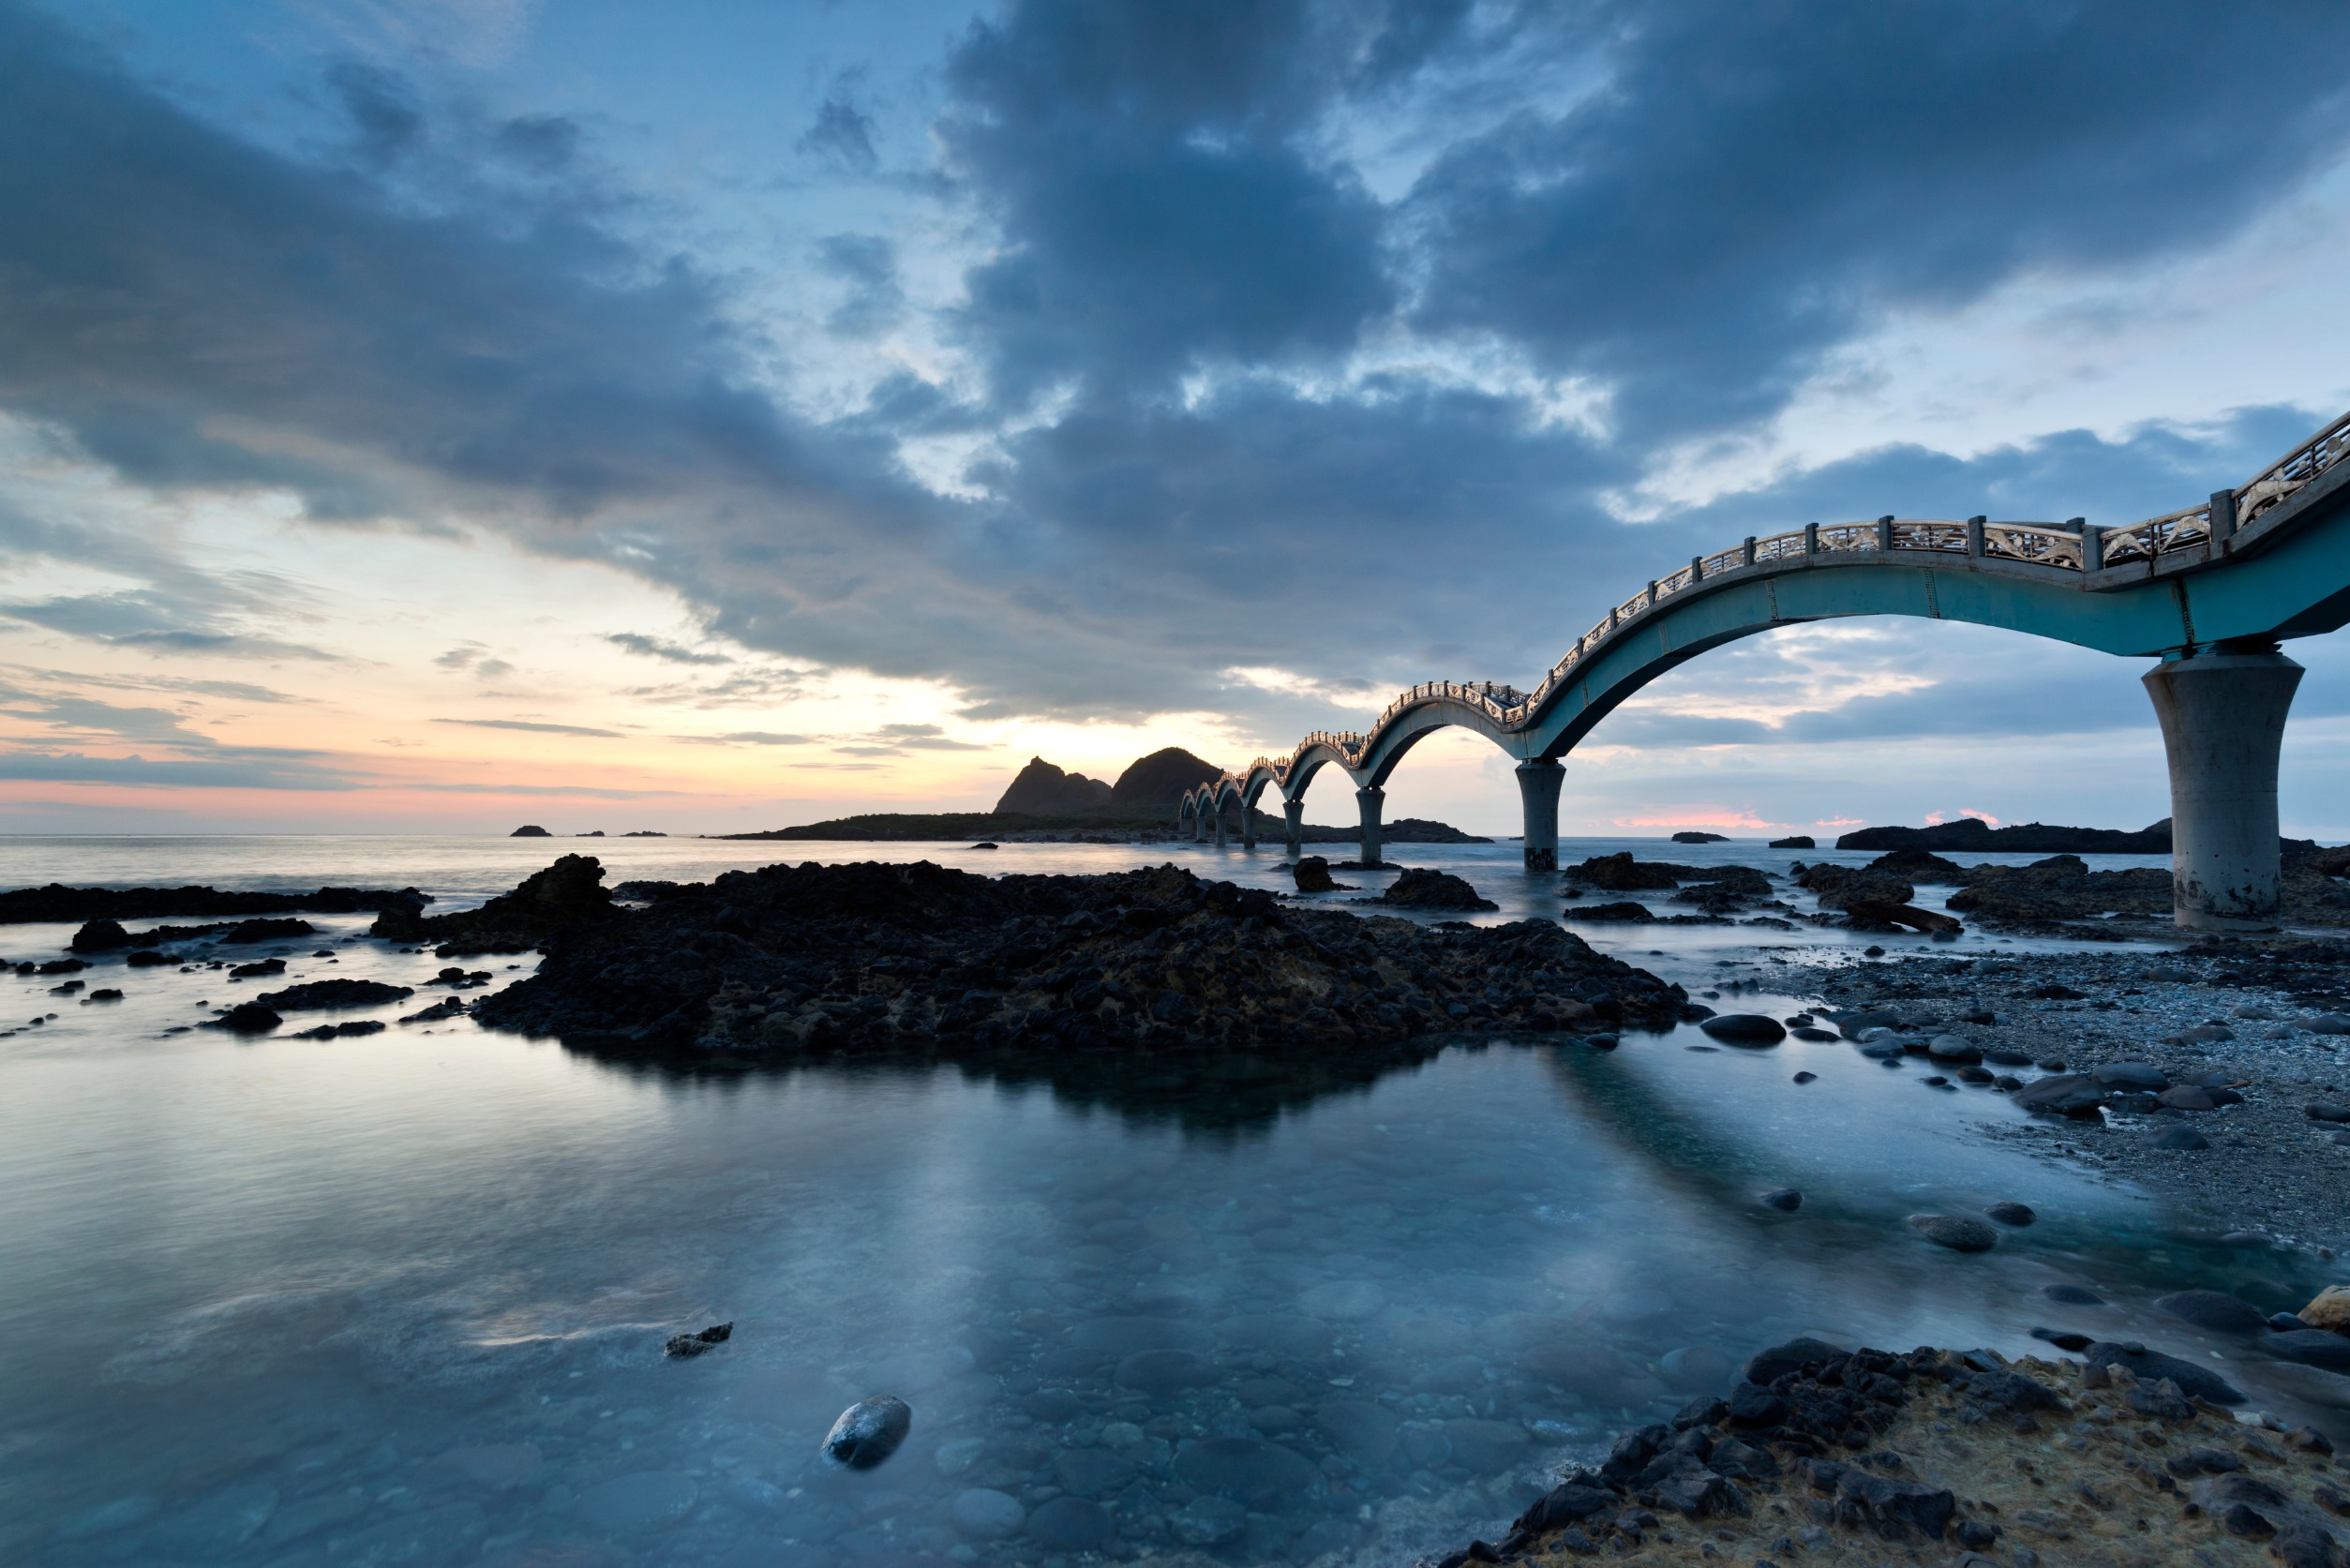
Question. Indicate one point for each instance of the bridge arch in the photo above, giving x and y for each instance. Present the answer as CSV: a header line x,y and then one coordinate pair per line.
x,y
2210,590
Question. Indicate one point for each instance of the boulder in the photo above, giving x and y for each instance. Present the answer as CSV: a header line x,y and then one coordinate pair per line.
x,y
1746,1028
100,937
868,1432
1918,865
1839,886
1793,1356
1959,1232
1620,873
1868,911
2130,1075
2152,1366
2330,1310
2312,1347
1623,910
1688,835
1313,874
2064,1094
2214,1309
1421,888
2019,1215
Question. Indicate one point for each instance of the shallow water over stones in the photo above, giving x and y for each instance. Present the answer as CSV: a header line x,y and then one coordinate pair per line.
x,y
404,1296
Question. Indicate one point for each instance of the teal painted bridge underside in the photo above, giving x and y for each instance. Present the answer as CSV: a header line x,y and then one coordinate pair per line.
x,y
2284,574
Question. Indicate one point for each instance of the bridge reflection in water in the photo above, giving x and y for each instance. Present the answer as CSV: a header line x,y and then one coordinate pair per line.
x,y
2212,592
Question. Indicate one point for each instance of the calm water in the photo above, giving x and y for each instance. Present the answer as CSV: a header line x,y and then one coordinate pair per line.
x,y
401,1297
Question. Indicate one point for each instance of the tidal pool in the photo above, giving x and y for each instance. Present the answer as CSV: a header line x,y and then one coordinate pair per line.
x,y
402,1297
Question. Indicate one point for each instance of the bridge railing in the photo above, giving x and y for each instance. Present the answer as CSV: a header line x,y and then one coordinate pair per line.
x,y
2145,541
2293,470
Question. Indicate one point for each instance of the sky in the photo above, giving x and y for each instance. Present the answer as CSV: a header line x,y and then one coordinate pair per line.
x,y
434,415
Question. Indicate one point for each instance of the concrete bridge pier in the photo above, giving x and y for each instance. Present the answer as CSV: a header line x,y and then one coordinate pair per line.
x,y
1247,825
2222,716
1221,837
1368,801
1293,820
1538,782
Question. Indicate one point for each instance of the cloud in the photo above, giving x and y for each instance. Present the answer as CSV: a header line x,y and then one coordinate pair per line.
x,y
868,264
655,648
247,771
924,738
842,133
749,737
536,728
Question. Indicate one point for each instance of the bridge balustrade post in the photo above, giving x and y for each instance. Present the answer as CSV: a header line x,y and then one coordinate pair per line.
x,y
1974,534
1696,569
2093,549
1811,540
1292,822
2223,515
1747,551
1538,782
1885,532
1367,803
2222,716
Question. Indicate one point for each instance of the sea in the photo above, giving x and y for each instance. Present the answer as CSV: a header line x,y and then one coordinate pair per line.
x,y
402,1297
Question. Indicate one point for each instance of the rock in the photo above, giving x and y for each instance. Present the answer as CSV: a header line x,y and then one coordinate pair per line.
x,y
568,895
1041,789
529,830
1248,1469
334,993
2312,1347
1816,1036
63,905
644,1500
1792,1356
2013,1214
868,1432
1950,1048
249,1018
1744,1028
268,931
1163,1372
2214,1309
2330,1310
1898,1504
341,1031
1697,1367
2064,1094
148,959
2323,1111
2186,1096
1868,912
1620,873
1363,1431
100,937
1959,1232
1918,865
1787,1200
1434,890
2152,1366
2179,1138
2130,1075
1621,911
1313,874
1208,1521
1839,886
1797,840
1807,1078
985,1515
1853,1026
257,969
1690,835
698,1342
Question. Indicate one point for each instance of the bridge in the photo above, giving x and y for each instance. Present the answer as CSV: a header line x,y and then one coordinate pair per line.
x,y
2210,591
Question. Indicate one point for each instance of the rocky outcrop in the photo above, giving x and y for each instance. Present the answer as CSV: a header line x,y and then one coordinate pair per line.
x,y
2029,838
918,959
1943,1457
1797,840
2061,887
565,896
1043,790
529,830
1690,835
1838,886
1158,781
1420,888
80,904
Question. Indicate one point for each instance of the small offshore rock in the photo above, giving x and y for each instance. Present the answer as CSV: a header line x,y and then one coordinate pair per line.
x,y
1313,874
699,1342
249,1018
2214,1309
1807,1078
868,1432
1787,1200
1959,1232
2012,1213
1422,889
1744,1028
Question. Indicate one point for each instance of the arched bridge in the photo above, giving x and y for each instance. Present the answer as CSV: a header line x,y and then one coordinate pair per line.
x,y
2210,590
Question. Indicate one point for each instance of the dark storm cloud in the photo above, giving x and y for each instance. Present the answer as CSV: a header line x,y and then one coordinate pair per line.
x,y
1740,189
1754,181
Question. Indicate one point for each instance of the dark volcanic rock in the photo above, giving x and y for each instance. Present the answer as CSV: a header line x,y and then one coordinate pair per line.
x,y
1746,1028
1918,865
566,895
265,931
868,1432
1799,841
1689,835
1838,886
1959,1232
333,993
100,937
1313,875
2031,837
59,904
1622,910
1434,890
921,959
2061,887
2152,1366
1878,913
1620,873
249,1018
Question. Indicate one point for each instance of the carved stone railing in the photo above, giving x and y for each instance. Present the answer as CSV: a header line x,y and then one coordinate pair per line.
x,y
2071,547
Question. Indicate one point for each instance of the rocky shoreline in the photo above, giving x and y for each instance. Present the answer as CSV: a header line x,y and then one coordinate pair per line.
x,y
871,958
2214,1076
1822,1457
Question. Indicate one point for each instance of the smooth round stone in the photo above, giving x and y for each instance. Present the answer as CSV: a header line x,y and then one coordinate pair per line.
x,y
645,1501
957,1454
1343,1301
2012,1213
1807,1078
1958,1231
1090,1471
986,1515
1053,1405
1744,1028
2214,1309
1817,1037
869,1431
1163,1372
1787,1200
1273,1420
1950,1048
1208,1521
1070,1524
1248,1469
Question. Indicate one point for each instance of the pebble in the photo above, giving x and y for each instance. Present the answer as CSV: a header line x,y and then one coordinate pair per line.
x,y
985,1515
1959,1232
868,1432
1807,1078
1070,1524
1787,1200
